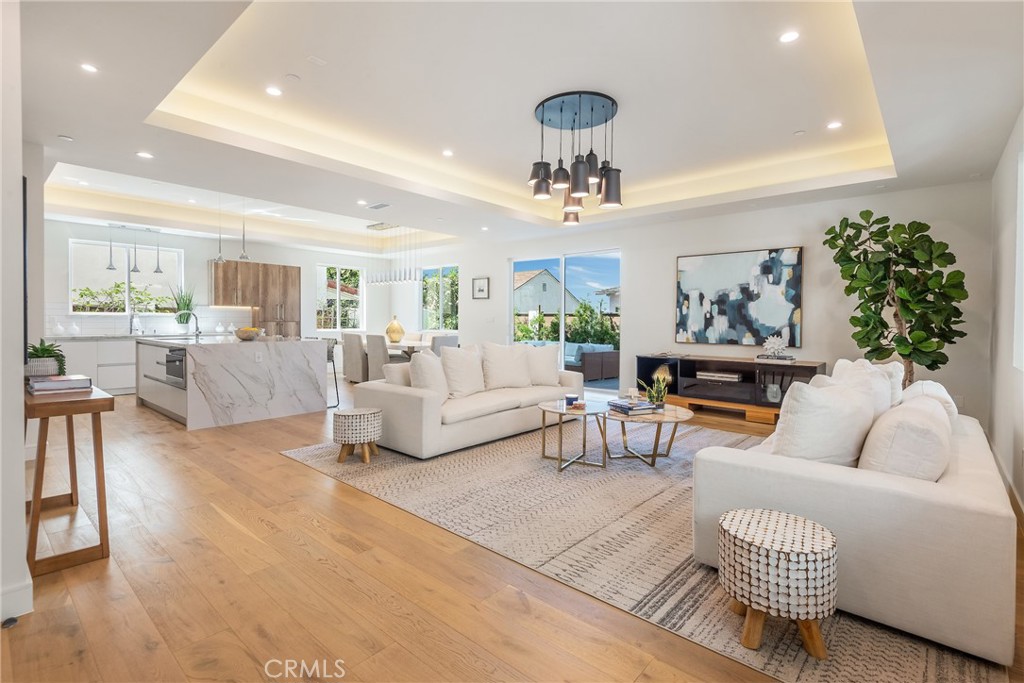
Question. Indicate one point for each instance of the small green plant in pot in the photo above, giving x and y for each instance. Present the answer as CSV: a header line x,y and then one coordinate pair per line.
x,y
184,301
658,388
907,301
45,359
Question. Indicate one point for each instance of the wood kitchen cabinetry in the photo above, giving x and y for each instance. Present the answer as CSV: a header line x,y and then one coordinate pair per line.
x,y
235,283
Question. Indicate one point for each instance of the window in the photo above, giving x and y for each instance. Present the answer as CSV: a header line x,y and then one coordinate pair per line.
x,y
440,298
94,288
339,305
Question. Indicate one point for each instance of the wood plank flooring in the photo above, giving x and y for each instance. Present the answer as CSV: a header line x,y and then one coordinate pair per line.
x,y
227,556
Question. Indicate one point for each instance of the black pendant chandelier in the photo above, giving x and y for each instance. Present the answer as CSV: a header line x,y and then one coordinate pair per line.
x,y
576,112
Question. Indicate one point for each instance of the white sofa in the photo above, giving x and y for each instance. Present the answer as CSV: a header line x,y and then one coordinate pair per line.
x,y
936,559
419,423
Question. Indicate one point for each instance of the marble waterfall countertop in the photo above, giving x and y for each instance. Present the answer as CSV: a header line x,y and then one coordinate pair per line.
x,y
228,381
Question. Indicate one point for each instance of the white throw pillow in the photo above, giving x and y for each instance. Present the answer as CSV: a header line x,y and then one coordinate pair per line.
x,y
398,373
894,371
505,366
543,362
426,372
866,377
934,391
463,370
826,424
912,440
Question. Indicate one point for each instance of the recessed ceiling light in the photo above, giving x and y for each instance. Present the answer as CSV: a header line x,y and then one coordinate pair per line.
x,y
484,228
880,187
799,132
274,91
447,153
90,68
292,77
144,155
439,220
83,183
361,202
788,37
832,125
191,201
65,138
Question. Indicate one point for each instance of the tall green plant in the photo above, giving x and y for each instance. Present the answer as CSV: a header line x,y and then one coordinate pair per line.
x,y
184,301
907,300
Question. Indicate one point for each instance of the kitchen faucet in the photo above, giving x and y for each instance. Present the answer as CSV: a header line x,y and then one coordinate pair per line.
x,y
192,314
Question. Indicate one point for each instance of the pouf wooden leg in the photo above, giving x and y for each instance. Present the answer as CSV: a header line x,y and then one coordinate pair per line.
x,y
373,448
753,627
810,633
365,448
737,607
346,450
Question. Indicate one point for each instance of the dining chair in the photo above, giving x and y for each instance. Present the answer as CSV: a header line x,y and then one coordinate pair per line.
x,y
443,340
377,356
354,362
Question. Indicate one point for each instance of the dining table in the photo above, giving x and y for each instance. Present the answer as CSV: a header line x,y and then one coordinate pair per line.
x,y
409,346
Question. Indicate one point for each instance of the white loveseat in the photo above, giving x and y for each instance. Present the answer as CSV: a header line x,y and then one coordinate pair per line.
x,y
424,423
936,559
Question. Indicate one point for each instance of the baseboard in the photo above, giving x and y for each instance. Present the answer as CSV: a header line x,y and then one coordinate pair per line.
x,y
16,600
1015,501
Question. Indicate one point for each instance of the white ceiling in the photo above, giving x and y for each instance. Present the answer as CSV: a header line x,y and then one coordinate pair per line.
x,y
709,101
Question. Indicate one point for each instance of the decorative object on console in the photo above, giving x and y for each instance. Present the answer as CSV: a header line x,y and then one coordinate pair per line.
x,y
658,388
577,111
184,302
740,297
45,359
394,330
898,273
481,288
774,349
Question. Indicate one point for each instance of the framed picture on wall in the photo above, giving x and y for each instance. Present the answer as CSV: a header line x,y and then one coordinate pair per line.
x,y
740,297
481,288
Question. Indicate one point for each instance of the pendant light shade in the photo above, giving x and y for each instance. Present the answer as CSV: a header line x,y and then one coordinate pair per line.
x,y
542,189
574,112
220,236
158,270
135,268
110,240
611,189
243,256
572,204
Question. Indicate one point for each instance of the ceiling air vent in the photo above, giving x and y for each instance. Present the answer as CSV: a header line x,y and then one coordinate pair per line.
x,y
380,227
378,206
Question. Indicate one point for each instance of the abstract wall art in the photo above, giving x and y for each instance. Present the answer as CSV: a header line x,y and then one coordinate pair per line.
x,y
740,297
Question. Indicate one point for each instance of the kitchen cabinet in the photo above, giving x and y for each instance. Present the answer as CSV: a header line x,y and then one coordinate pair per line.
x,y
235,283
280,299
109,363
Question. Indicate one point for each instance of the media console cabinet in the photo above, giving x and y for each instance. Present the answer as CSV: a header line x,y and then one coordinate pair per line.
x,y
754,386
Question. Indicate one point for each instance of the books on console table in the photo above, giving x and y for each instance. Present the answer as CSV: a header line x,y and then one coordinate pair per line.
x,y
59,384
626,408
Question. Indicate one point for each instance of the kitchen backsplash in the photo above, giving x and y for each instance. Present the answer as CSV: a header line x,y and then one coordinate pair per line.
x,y
61,323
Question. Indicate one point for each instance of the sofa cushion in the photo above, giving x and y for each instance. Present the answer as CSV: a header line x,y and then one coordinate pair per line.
x,y
463,370
398,373
572,352
865,377
894,371
426,372
531,396
505,366
913,440
543,364
468,407
826,424
934,391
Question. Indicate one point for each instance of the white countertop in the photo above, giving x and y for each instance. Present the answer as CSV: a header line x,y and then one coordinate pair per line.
x,y
107,337
207,339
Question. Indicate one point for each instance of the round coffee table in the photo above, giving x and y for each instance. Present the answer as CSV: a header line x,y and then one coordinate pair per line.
x,y
595,408
672,415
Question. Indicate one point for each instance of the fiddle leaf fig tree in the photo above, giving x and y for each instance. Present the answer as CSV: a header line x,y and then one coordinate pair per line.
x,y
907,300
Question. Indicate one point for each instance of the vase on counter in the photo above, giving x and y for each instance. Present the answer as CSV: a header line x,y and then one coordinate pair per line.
x,y
394,331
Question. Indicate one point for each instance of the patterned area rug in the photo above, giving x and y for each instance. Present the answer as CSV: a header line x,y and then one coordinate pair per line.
x,y
624,536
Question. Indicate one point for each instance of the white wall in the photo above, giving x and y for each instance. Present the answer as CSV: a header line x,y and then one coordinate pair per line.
x,y
15,582
198,253
958,214
1006,428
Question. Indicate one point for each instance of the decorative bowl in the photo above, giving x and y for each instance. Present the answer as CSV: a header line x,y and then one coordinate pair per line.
x,y
247,333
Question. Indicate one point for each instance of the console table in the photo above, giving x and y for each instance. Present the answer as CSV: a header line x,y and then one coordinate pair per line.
x,y
67,406
754,386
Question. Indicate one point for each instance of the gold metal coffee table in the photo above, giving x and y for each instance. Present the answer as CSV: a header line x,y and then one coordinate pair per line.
x,y
673,415
594,408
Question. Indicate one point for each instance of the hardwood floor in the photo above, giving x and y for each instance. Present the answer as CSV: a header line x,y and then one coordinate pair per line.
x,y
226,556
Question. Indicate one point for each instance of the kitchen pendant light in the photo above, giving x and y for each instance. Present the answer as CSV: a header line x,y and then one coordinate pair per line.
x,y
135,268
110,243
157,270
243,256
570,219
577,111
541,169
220,235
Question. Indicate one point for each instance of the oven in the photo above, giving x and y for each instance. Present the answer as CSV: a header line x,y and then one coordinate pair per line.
x,y
174,365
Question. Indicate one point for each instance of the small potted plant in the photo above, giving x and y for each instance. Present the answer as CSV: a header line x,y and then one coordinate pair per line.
x,y
44,360
657,390
184,302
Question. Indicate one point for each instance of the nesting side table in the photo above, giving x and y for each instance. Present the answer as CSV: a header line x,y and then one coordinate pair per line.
x,y
776,563
358,427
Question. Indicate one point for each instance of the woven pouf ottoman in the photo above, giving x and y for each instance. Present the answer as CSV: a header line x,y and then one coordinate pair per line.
x,y
357,427
780,564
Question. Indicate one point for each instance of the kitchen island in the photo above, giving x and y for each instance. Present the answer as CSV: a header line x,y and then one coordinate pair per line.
x,y
218,380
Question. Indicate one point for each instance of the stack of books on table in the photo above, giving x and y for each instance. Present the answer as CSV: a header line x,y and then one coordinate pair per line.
x,y
624,407
59,384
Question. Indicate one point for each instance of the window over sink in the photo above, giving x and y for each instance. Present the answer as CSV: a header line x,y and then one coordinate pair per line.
x,y
95,288
339,301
